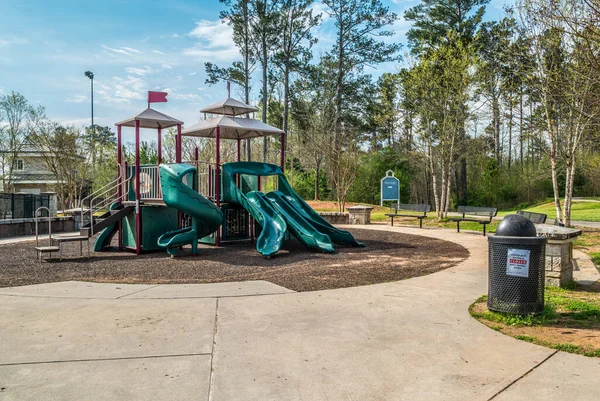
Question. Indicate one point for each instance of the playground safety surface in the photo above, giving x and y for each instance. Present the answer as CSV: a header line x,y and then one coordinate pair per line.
x,y
388,256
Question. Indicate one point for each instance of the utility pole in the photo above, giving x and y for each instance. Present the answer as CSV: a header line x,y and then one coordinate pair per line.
x,y
90,75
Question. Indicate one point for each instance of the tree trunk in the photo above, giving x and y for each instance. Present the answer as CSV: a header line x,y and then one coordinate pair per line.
x,y
247,70
317,183
510,127
554,169
286,106
496,118
265,102
521,128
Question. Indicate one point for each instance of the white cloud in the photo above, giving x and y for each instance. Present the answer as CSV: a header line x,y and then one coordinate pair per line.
x,y
214,33
320,8
192,73
131,50
139,71
122,90
166,66
190,97
80,121
157,52
77,99
12,40
215,41
216,55
119,51
175,35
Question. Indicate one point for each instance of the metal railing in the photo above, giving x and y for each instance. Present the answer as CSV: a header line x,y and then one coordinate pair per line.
x,y
104,197
206,178
150,188
49,217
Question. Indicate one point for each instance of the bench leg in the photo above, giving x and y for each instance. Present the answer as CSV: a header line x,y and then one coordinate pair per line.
x,y
420,223
458,226
484,229
392,223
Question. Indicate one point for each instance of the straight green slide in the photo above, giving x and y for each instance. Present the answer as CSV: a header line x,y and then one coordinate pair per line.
x,y
206,216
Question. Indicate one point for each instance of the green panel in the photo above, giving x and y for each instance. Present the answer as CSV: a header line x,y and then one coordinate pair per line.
x,y
156,221
129,231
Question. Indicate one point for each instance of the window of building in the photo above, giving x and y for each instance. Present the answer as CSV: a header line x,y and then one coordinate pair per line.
x,y
20,165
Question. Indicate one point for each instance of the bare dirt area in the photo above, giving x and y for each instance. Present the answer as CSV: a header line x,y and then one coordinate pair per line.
x,y
387,257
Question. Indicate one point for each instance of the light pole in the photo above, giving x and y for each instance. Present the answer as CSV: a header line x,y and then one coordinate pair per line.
x,y
90,75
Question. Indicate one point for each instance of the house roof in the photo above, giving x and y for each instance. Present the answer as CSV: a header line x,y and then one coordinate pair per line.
x,y
231,128
150,118
229,107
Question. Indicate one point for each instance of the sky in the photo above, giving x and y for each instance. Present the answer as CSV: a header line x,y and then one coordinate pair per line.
x,y
131,46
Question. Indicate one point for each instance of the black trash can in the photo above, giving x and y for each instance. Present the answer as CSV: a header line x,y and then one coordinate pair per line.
x,y
516,267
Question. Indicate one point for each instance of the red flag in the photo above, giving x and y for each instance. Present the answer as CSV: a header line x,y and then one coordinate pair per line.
x,y
157,97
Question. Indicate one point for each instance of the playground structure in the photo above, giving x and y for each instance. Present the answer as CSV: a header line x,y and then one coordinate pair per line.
x,y
170,205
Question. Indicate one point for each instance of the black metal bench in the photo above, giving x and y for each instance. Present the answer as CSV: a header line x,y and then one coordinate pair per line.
x,y
417,211
536,218
481,215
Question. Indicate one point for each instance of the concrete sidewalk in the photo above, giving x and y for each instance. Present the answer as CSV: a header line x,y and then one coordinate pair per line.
x,y
407,340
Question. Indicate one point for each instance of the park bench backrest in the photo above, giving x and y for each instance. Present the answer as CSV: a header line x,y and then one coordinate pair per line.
x,y
537,218
421,208
477,211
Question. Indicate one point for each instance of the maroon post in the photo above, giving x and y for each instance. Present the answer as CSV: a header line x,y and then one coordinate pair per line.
x,y
283,151
196,157
178,160
218,178
239,153
119,180
138,210
178,145
159,145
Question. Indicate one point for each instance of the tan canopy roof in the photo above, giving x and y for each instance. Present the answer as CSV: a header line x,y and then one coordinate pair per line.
x,y
151,118
229,107
231,128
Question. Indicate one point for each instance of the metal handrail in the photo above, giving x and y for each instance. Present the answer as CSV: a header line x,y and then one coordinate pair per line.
x,y
112,189
112,183
105,202
49,225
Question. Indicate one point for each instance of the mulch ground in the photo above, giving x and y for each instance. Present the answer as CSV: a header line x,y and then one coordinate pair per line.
x,y
386,257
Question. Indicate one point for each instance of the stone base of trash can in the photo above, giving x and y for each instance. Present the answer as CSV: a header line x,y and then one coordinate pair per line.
x,y
360,214
559,262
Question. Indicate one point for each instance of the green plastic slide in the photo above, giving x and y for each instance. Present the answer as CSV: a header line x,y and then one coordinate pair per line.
x,y
276,207
301,227
272,222
104,239
206,216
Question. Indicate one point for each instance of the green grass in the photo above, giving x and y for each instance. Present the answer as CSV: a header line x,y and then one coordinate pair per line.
x,y
595,258
572,348
563,308
583,211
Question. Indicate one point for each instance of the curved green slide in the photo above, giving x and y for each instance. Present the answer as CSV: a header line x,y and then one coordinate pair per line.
x,y
206,216
285,206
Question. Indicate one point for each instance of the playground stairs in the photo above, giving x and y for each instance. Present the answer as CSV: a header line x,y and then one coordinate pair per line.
x,y
107,219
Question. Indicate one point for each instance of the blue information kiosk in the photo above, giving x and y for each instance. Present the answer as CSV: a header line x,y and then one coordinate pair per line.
x,y
390,187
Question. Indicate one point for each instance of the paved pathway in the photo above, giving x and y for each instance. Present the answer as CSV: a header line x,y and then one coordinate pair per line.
x,y
407,340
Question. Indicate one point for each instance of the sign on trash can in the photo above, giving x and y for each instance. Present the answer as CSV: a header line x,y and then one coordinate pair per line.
x,y
517,263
